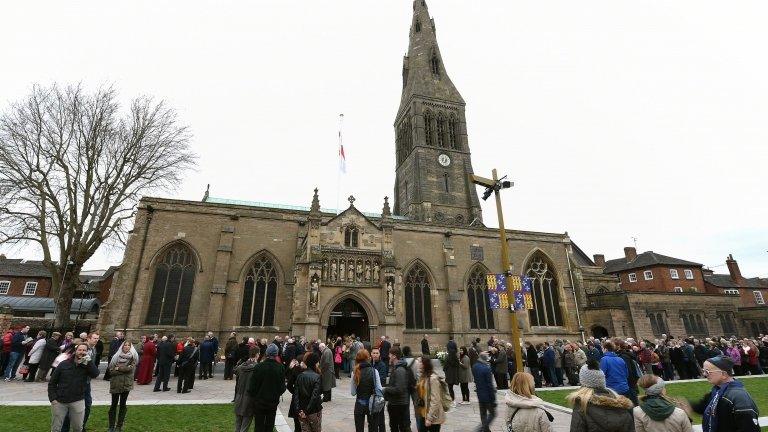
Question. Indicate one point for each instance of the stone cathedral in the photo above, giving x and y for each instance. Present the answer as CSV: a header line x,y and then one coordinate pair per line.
x,y
417,267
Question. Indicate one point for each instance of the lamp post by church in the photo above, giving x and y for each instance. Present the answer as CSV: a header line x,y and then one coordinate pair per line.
x,y
494,186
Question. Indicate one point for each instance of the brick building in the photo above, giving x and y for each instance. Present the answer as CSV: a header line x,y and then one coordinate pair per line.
x,y
657,294
25,286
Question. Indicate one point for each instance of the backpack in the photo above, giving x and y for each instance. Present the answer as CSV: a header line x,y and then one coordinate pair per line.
x,y
411,377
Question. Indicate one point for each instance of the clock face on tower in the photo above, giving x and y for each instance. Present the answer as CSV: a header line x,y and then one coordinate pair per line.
x,y
444,160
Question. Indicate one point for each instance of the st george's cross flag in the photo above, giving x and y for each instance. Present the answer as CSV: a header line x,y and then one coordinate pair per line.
x,y
342,157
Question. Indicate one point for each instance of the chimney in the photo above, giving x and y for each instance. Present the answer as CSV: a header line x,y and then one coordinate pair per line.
x,y
630,253
733,269
599,260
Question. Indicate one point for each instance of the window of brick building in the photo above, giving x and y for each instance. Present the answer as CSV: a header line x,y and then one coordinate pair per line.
x,y
673,274
678,289
4,287
30,289
759,297
688,273
648,275
632,277
731,292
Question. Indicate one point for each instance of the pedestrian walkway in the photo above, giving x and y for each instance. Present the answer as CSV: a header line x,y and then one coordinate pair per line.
x,y
337,414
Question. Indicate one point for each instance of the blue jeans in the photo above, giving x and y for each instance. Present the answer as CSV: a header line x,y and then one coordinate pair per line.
x,y
13,364
487,414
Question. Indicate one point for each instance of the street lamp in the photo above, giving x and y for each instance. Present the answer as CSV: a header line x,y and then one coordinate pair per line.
x,y
494,186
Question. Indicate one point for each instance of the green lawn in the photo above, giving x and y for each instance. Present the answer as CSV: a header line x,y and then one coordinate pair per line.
x,y
757,387
155,418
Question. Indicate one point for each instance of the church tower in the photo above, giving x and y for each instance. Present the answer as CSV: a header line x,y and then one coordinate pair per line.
x,y
433,160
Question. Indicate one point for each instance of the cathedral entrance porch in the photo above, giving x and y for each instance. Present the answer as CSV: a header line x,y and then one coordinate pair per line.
x,y
349,317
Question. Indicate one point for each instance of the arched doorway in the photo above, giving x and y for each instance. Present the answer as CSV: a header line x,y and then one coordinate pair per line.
x,y
349,317
599,332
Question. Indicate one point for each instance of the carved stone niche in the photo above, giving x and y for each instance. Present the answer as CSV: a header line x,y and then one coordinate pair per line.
x,y
355,269
389,295
314,291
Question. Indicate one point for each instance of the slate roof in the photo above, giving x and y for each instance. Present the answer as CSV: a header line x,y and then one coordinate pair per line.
x,y
725,281
645,259
580,257
21,268
45,304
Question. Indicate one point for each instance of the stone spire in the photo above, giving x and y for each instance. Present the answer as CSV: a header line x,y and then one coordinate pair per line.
x,y
315,208
385,211
424,72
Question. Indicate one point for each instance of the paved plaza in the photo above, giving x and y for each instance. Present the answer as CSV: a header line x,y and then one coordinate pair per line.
x,y
337,414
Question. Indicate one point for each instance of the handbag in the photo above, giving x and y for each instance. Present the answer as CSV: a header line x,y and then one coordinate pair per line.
x,y
376,403
23,369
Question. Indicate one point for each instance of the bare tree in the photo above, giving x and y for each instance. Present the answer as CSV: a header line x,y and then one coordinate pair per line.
x,y
72,169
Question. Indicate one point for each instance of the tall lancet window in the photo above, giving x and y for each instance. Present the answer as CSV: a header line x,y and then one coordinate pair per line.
x,y
480,312
259,294
172,287
417,26
546,298
418,302
440,130
435,64
453,133
429,125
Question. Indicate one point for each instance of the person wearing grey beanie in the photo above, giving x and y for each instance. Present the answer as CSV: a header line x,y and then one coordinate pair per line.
x,y
596,408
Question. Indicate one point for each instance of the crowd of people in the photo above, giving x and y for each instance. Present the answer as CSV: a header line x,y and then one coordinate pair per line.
x,y
387,377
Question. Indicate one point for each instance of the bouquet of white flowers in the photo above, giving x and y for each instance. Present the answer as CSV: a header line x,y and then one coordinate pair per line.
x,y
442,356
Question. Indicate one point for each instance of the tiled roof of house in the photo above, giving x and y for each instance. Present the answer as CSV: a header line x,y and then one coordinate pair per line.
x,y
725,281
645,259
21,268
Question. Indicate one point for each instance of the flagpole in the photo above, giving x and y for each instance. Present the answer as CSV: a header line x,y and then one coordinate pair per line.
x,y
341,161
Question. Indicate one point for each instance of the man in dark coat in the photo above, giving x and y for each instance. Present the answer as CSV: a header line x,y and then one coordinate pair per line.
x,y
397,392
425,346
114,346
500,367
215,343
243,401
166,351
728,407
207,350
266,386
50,351
230,356
67,388
326,371
486,392
187,362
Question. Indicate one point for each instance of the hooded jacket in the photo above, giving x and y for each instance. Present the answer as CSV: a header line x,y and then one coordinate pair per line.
x,y
606,412
658,415
396,391
529,414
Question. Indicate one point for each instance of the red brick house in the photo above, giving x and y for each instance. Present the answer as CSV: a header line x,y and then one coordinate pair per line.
x,y
752,293
652,272
25,286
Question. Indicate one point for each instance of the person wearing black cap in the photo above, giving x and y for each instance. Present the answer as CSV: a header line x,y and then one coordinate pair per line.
x,y
728,407
266,385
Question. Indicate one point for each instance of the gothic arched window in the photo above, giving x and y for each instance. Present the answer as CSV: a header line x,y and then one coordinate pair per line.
x,y
418,301
259,294
351,236
453,133
440,130
435,63
172,287
429,130
546,299
480,312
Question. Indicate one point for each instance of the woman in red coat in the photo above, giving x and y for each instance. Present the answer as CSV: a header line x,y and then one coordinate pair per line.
x,y
147,363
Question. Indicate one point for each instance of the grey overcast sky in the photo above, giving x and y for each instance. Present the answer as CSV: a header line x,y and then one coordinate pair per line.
x,y
616,119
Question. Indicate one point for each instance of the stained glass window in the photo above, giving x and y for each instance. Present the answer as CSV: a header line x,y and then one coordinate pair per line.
x,y
259,294
480,312
418,302
546,299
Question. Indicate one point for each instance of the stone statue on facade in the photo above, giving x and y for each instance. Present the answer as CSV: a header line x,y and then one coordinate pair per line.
x,y
376,272
351,272
342,273
333,270
367,271
390,295
314,288
325,269
359,271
